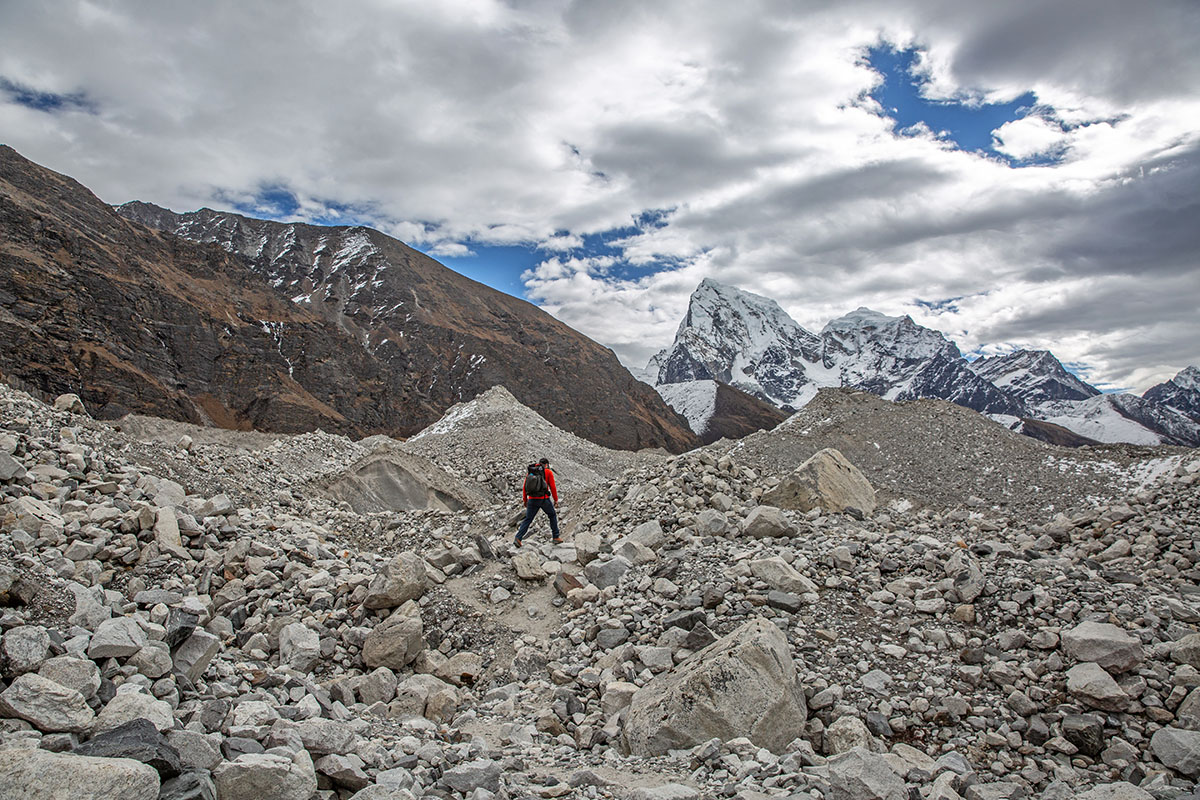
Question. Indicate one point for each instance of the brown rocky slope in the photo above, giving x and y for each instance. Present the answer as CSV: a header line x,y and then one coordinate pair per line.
x,y
133,319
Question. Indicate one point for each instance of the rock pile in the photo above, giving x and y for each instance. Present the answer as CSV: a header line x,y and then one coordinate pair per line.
x,y
688,640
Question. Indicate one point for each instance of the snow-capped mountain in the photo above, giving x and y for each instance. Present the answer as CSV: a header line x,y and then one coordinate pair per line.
x,y
1181,393
748,341
743,340
1113,418
1032,376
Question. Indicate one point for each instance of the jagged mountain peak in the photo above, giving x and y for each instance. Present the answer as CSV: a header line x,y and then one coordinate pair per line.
x,y
1033,376
1181,393
1188,378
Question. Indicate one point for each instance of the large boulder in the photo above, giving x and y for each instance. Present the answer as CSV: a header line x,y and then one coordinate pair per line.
x,y
265,776
862,775
1093,686
744,684
766,522
1107,645
139,740
32,774
1115,791
778,574
119,637
401,579
299,647
132,703
397,641
47,705
827,480
1178,749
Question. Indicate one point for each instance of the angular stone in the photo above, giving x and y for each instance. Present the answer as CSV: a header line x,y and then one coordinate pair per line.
x,y
397,641
648,534
321,737
861,775
70,403
25,648
765,522
1178,749
193,656
131,705
400,580
1113,791
481,773
711,522
166,533
827,480
80,674
180,625
778,574
845,734
784,601
139,740
378,686
265,776
48,706
668,791
528,565
189,786
744,684
153,660
29,514
299,647
10,469
196,750
219,506
345,771
1095,687
1086,732
607,573
1107,645
1187,650
119,637
33,774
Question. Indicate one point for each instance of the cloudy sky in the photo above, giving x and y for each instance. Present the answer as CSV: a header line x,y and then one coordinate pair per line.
x,y
1015,174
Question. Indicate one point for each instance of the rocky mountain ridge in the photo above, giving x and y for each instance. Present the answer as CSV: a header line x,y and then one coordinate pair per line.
x,y
338,329
749,342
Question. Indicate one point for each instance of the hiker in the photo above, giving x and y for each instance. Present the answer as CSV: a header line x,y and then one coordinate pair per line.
x,y
536,493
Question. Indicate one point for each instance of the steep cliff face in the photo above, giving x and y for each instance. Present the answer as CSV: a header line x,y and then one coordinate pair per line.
x,y
135,319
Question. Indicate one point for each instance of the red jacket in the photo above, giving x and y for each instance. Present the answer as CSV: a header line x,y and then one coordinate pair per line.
x,y
549,482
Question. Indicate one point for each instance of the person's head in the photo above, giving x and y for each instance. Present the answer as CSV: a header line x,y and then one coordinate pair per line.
x,y
545,462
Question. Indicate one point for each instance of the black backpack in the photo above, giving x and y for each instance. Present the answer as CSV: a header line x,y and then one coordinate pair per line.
x,y
535,482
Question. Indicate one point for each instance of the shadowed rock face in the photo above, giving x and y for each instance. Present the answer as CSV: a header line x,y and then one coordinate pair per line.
x,y
137,320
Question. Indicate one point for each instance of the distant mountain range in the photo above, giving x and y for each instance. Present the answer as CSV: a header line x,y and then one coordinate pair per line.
x,y
731,336
215,318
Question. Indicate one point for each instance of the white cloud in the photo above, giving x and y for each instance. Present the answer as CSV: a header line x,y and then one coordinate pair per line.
x,y
1027,137
487,122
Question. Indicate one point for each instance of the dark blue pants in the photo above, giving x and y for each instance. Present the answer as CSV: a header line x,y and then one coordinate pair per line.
x,y
531,509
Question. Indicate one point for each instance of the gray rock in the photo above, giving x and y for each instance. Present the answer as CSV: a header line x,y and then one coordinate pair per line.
x,y
378,686
861,775
153,660
1178,749
784,601
25,647
1091,684
1187,650
608,572
528,565
32,774
481,773
323,737
139,740
1104,644
1114,791
189,786
400,580
180,625
265,776
827,481
345,771
80,674
218,506
711,522
70,403
778,574
47,705
668,791
10,468
648,534
193,656
119,637
845,734
197,751
764,522
166,533
90,611
397,641
744,684
130,705
299,647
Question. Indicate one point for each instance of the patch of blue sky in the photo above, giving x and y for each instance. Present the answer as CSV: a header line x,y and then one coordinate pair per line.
x,y
966,123
49,102
277,202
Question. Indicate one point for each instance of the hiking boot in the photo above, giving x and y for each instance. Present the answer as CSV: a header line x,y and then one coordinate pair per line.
x,y
557,541
516,543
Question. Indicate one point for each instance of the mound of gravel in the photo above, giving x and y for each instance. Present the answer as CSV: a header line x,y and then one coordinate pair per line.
x,y
934,453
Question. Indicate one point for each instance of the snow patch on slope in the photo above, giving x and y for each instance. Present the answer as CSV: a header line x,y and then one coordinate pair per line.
x,y
1096,418
695,400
